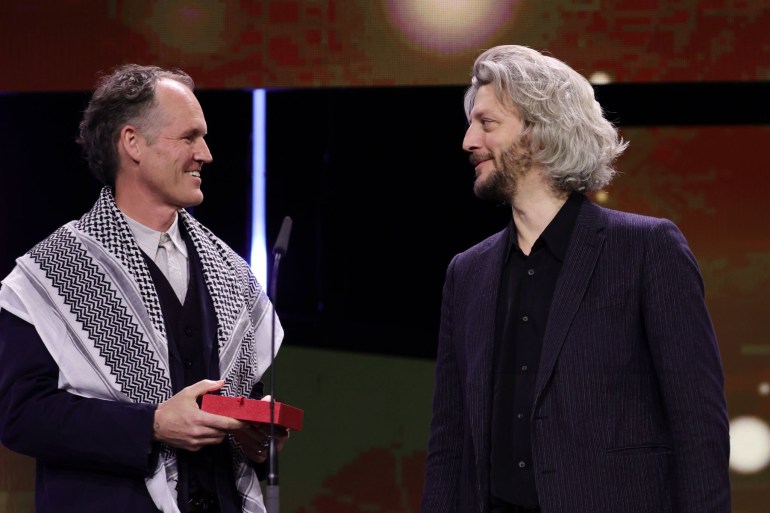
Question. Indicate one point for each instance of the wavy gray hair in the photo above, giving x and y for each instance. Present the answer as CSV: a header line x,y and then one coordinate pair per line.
x,y
562,118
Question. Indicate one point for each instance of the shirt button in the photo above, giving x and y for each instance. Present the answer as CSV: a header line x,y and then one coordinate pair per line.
x,y
531,272
188,331
524,368
519,416
522,464
525,318
188,363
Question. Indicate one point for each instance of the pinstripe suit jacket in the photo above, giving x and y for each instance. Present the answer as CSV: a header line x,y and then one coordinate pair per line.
x,y
629,412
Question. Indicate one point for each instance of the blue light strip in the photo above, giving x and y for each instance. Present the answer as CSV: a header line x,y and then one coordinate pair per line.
x,y
258,259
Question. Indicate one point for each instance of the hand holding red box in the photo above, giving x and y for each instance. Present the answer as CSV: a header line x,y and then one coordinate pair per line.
x,y
253,410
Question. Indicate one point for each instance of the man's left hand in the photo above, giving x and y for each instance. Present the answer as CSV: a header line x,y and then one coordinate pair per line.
x,y
255,439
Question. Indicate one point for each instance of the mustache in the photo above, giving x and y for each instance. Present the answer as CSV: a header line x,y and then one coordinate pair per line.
x,y
475,158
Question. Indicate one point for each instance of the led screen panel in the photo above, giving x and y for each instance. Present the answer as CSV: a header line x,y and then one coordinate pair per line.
x,y
47,46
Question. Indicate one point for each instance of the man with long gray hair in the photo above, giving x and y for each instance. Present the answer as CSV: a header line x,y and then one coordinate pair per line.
x,y
577,368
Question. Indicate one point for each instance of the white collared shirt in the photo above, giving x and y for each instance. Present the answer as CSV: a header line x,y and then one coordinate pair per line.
x,y
149,240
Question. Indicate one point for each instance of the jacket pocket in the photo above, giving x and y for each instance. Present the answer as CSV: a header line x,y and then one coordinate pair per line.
x,y
632,450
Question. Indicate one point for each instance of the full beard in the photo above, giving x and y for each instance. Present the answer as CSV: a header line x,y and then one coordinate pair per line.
x,y
502,183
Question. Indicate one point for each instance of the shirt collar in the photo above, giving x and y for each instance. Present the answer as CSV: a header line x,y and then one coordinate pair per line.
x,y
557,234
149,239
559,231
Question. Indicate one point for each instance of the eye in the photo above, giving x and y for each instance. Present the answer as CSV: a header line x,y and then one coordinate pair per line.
x,y
190,136
486,123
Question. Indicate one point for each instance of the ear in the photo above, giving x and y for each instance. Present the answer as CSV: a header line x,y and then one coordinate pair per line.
x,y
129,143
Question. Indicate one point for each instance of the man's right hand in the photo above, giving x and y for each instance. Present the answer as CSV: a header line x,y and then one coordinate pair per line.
x,y
180,423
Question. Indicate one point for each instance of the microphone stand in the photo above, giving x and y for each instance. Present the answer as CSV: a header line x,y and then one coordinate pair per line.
x,y
272,491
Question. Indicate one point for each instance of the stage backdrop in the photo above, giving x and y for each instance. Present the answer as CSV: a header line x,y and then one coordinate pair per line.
x,y
61,45
373,174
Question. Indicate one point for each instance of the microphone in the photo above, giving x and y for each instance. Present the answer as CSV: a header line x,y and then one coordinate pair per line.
x,y
279,250
282,242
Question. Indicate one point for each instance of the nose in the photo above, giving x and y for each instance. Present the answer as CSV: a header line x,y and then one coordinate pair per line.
x,y
202,153
472,140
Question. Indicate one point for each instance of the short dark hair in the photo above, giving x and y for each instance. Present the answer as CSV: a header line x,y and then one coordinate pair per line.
x,y
124,96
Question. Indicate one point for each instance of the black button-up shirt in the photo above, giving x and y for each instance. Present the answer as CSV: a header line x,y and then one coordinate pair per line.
x,y
524,299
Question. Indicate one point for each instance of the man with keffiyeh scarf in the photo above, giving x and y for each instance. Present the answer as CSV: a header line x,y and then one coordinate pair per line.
x,y
105,351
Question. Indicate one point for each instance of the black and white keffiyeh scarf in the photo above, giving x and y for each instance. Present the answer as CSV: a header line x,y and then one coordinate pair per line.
x,y
88,292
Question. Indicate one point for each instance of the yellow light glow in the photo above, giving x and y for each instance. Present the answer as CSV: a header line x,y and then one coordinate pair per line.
x,y
600,78
449,25
749,445
602,196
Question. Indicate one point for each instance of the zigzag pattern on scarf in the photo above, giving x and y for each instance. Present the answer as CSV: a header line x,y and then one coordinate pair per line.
x,y
104,317
105,223
244,366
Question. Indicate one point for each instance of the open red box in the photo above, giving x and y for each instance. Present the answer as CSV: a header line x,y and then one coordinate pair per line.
x,y
253,410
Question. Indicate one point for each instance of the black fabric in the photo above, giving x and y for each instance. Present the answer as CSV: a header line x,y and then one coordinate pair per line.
x,y
526,291
502,507
207,505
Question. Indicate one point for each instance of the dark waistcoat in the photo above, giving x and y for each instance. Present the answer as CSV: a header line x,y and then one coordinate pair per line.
x,y
193,356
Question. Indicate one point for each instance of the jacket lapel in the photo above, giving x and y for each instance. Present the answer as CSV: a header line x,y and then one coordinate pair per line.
x,y
585,246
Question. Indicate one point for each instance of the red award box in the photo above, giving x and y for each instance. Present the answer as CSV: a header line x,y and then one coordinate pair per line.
x,y
253,410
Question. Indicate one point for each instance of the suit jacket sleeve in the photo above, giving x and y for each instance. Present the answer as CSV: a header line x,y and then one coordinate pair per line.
x,y
689,370
56,427
446,432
